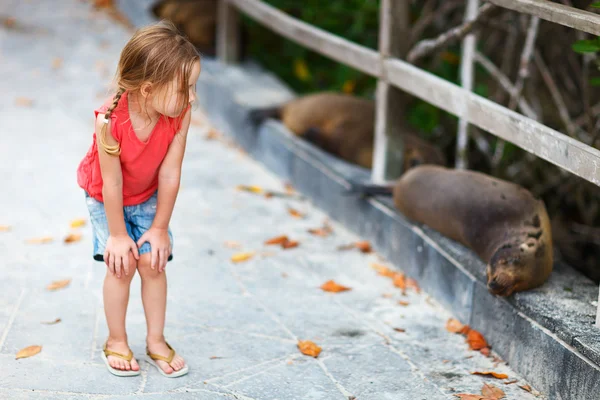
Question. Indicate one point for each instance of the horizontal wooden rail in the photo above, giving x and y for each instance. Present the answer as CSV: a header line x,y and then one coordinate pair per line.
x,y
558,13
536,138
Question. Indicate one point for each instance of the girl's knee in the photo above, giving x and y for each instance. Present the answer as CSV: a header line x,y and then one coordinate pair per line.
x,y
144,268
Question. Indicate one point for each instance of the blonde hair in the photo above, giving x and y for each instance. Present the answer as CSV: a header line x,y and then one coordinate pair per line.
x,y
158,53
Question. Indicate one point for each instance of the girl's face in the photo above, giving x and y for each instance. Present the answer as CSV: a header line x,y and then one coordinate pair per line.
x,y
169,100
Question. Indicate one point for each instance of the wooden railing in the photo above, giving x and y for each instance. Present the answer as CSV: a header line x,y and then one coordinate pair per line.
x,y
394,73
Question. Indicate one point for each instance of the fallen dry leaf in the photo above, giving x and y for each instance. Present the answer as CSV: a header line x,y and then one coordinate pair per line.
x,y
24,101
215,357
400,330
251,189
277,240
5,228
232,244
491,392
56,321
78,223
511,382
383,270
400,281
57,63
465,396
212,134
28,352
58,284
387,295
476,340
403,303
295,213
454,326
413,284
309,348
289,189
363,246
73,237
239,257
8,22
290,244
331,286
323,231
103,3
492,373
525,387
40,240
284,275
485,351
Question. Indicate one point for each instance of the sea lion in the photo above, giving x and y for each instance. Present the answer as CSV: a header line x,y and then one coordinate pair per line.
x,y
502,222
343,125
195,18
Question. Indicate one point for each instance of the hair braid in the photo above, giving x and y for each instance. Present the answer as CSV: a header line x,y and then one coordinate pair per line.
x,y
116,149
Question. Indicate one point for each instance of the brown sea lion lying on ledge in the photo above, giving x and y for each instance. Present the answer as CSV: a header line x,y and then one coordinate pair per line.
x,y
343,125
502,222
195,18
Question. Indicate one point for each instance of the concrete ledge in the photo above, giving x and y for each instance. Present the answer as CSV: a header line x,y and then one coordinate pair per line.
x,y
546,334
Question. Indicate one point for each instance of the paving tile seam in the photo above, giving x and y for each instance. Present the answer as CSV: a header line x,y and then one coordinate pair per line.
x,y
240,282
144,374
278,360
262,371
12,318
337,384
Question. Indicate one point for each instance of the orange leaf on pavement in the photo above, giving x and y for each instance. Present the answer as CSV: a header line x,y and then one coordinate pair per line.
x,y
5,228
476,340
403,303
77,223
295,213
525,387
73,237
492,373
413,284
454,326
290,244
331,286
28,352
40,240
24,101
277,240
491,392
239,257
58,284
465,396
363,246
309,348
383,270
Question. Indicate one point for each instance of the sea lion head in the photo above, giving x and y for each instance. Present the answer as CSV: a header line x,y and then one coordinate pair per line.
x,y
517,267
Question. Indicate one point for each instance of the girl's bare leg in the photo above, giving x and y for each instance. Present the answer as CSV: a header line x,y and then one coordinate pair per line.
x,y
154,298
116,299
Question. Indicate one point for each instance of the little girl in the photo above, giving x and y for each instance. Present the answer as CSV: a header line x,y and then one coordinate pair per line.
x,y
131,177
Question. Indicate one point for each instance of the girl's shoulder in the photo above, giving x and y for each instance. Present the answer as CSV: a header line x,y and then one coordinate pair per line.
x,y
108,102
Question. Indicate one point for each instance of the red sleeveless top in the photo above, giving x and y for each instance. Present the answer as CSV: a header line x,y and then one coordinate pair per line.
x,y
140,161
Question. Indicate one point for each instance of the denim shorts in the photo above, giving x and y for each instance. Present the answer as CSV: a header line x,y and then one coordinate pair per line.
x,y
138,219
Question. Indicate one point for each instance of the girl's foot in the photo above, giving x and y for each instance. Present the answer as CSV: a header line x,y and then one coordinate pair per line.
x,y
159,347
117,362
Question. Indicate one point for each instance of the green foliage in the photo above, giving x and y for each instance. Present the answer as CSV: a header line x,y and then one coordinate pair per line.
x,y
586,46
595,5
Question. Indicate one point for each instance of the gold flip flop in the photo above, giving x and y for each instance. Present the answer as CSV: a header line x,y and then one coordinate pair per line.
x,y
174,374
118,372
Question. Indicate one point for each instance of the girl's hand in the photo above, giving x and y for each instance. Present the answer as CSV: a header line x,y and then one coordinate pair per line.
x,y
116,255
161,247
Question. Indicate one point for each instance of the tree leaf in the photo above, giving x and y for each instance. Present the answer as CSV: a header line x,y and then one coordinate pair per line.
x,y
465,396
525,387
331,286
290,244
492,373
363,246
595,5
56,321
277,240
491,392
309,348
40,240
240,257
57,63
595,81
413,284
586,46
476,340
295,213
251,189
400,330
232,245
78,223
454,326
56,285
28,352
403,303
73,237
5,228
383,270
24,101
400,281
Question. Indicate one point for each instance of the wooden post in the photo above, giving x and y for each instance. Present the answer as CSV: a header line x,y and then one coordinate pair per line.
x,y
466,79
390,102
228,32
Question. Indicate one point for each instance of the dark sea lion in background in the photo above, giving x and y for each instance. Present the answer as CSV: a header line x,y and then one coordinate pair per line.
x,y
500,221
195,18
343,125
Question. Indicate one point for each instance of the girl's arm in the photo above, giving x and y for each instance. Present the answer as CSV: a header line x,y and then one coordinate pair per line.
x,y
168,186
116,254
